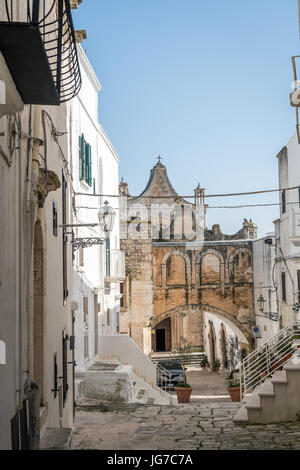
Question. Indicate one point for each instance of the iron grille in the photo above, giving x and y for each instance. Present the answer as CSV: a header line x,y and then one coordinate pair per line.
x,y
53,21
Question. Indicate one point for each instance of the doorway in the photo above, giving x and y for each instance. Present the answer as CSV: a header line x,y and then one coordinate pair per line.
x,y
160,340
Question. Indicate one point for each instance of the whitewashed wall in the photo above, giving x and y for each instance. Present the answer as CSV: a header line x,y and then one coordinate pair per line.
x,y
263,263
288,229
89,277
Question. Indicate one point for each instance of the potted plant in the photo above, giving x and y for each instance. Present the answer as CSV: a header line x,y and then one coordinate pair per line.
x,y
216,366
234,354
183,390
204,362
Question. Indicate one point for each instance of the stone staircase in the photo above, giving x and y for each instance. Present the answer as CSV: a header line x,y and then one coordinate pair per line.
x,y
149,394
275,400
110,380
168,356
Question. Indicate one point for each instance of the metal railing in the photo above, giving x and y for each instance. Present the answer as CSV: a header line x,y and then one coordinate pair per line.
x,y
164,378
53,18
271,356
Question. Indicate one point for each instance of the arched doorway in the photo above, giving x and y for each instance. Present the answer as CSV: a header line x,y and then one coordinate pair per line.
x,y
38,309
162,337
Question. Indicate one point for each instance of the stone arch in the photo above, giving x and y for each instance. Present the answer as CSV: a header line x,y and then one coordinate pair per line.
x,y
199,260
244,274
244,334
38,363
187,265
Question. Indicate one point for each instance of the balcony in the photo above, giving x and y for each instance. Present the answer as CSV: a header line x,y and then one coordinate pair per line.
x,y
114,266
37,41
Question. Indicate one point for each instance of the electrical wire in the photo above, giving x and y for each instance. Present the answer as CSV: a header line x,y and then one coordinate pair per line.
x,y
217,207
176,196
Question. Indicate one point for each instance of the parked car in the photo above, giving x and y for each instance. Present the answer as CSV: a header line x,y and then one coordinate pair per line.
x,y
169,374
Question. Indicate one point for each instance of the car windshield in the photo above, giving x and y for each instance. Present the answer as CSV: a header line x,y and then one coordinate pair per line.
x,y
171,365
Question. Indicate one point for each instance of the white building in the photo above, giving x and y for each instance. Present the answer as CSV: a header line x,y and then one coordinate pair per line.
x,y
265,293
35,204
287,232
98,269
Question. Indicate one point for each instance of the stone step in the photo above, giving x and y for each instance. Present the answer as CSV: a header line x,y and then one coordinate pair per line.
x,y
150,400
241,416
267,390
56,439
279,377
253,403
168,356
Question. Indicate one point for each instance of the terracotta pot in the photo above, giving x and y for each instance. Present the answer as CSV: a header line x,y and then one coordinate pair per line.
x,y
183,394
235,393
216,369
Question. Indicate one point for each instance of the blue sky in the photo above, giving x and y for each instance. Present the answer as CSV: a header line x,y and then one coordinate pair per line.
x,y
203,83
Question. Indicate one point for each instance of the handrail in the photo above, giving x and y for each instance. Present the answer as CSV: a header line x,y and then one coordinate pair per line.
x,y
163,378
265,360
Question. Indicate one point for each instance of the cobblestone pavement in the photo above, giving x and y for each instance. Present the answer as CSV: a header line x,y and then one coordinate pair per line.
x,y
180,427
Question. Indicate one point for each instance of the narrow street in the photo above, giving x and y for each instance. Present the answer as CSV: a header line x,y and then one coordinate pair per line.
x,y
204,423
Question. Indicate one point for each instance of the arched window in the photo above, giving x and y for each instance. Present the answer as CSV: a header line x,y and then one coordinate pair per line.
x,y
210,269
176,270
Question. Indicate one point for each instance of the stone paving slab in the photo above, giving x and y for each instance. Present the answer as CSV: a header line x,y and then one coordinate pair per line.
x,y
190,426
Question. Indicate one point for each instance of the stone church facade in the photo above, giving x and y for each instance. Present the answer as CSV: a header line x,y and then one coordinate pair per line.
x,y
184,283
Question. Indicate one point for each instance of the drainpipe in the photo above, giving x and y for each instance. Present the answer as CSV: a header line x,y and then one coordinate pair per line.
x,y
31,207
20,336
31,388
24,359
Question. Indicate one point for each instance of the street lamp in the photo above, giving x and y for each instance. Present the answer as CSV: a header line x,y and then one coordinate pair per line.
x,y
106,217
261,303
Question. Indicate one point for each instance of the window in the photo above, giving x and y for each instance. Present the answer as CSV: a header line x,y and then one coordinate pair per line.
x,y
108,316
55,224
65,366
283,202
122,294
85,161
298,284
85,309
283,287
64,237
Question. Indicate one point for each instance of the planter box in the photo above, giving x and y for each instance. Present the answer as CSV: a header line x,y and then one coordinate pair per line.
x,y
183,394
280,363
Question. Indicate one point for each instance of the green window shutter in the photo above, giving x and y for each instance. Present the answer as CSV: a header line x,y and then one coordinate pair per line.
x,y
89,164
81,158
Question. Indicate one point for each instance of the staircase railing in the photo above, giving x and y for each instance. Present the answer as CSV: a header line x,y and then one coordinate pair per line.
x,y
164,378
271,356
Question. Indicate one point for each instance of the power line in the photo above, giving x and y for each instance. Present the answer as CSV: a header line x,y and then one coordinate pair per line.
x,y
249,193
216,207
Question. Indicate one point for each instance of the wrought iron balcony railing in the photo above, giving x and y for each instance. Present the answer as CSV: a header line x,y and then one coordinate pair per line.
x,y
38,43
